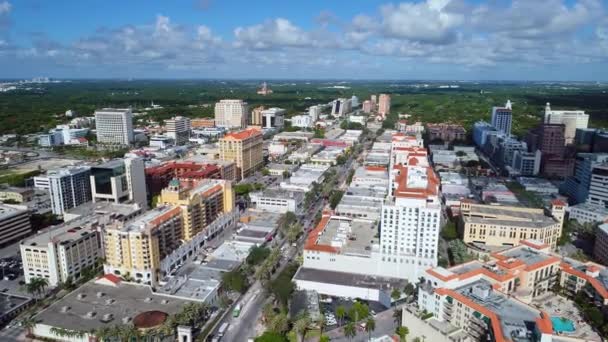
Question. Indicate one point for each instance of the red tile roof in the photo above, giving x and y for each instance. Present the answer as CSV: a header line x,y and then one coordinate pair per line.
x,y
244,134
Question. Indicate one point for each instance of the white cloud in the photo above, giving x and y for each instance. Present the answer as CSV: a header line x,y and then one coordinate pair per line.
x,y
430,21
5,8
272,33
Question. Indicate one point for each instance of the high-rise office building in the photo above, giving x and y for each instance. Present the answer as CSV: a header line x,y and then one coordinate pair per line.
x,y
120,181
502,118
231,113
598,186
354,101
178,128
273,118
374,100
68,187
577,186
315,112
114,126
245,148
384,104
571,119
548,138
341,107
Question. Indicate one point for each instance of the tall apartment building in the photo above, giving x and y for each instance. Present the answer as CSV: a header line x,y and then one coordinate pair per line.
x,y
548,138
273,118
384,104
506,226
119,181
598,186
68,187
136,248
245,149
200,204
600,249
374,100
571,119
502,118
367,106
315,112
114,126
178,128
256,116
481,129
62,252
14,223
231,113
577,186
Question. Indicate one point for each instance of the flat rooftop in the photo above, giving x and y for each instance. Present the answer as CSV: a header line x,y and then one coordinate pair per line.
x,y
349,236
10,303
105,208
366,191
7,211
260,218
546,221
526,254
64,233
93,306
193,281
278,193
232,251
347,279
143,221
514,316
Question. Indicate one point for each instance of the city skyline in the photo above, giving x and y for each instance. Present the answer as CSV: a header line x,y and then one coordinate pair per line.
x,y
560,40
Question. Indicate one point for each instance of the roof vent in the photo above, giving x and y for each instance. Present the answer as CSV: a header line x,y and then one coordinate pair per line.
x,y
126,320
100,294
107,317
164,301
110,301
81,296
91,314
148,299
65,309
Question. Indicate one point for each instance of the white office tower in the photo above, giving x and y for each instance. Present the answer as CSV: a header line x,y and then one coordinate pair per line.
x,y
502,118
354,101
571,119
120,181
178,128
315,112
114,126
273,117
302,121
68,187
341,107
231,113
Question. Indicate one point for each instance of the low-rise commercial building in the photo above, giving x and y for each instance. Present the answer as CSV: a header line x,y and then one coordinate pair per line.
x,y
505,226
16,194
328,156
302,179
587,213
280,169
278,201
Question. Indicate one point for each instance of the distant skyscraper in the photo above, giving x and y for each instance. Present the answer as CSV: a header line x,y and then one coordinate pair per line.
x,y
273,117
367,106
341,107
245,149
502,118
114,126
256,116
374,100
178,128
231,113
354,101
384,104
572,119
315,112
68,187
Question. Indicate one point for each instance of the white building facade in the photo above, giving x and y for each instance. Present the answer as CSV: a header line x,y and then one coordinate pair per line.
x,y
114,126
68,187
231,113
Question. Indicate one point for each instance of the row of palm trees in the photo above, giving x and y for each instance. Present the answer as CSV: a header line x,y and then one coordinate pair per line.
x,y
36,287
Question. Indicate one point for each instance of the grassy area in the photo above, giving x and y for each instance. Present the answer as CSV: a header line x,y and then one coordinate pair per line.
x,y
526,197
16,178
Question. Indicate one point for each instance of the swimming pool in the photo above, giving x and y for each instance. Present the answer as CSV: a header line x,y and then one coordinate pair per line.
x,y
562,324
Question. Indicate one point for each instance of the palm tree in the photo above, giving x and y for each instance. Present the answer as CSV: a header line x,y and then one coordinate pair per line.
x,y
350,331
397,316
321,322
396,294
402,332
29,324
268,312
301,325
370,326
340,313
324,338
280,323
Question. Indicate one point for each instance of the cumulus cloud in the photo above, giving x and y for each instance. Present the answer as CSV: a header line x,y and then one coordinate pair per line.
x,y
5,10
272,33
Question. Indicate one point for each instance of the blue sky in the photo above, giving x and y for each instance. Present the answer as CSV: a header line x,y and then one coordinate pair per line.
x,y
430,39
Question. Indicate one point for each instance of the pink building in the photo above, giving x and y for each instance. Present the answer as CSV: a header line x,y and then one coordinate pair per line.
x,y
384,104
367,106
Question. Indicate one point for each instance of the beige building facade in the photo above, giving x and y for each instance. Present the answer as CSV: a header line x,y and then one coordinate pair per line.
x,y
245,149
